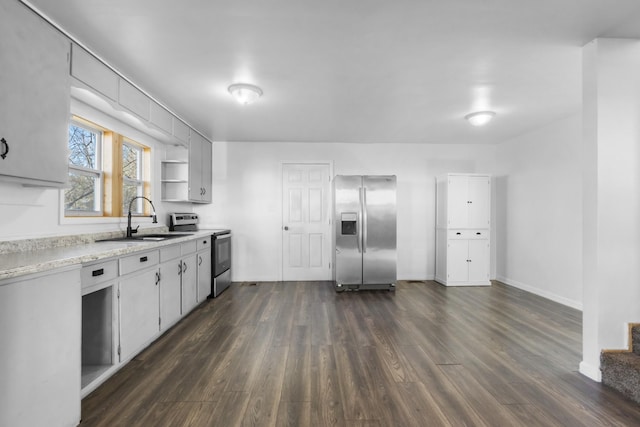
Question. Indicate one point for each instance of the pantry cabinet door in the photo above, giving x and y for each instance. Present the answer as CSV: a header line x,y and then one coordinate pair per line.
x,y
480,201
458,261
458,202
479,260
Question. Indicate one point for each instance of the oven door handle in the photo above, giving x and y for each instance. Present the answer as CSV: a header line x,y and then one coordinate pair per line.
x,y
223,236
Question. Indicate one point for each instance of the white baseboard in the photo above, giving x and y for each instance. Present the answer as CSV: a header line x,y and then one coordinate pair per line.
x,y
590,371
545,294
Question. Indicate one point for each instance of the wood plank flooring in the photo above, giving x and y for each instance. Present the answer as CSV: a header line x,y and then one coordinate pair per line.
x,y
299,354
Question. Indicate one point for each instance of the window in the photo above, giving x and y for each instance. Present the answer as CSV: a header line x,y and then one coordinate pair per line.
x,y
132,182
85,171
106,171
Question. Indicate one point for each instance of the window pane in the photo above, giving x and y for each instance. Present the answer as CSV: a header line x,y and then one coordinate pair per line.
x,y
83,194
83,144
129,191
130,162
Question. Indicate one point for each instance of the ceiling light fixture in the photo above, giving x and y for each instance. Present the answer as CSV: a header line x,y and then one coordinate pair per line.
x,y
480,118
245,93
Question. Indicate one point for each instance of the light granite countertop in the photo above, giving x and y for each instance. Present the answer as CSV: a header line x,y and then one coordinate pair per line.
x,y
34,256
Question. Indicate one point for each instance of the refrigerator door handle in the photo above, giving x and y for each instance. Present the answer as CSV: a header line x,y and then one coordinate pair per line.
x,y
364,223
359,236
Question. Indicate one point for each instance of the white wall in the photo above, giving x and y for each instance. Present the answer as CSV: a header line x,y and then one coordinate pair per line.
x,y
247,195
539,212
611,209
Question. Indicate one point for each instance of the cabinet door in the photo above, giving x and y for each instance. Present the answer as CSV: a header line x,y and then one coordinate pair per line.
x,y
195,167
139,311
480,197
457,261
34,94
207,175
189,284
40,326
457,202
170,293
479,255
204,274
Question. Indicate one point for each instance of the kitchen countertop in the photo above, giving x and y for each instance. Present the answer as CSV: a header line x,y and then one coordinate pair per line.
x,y
31,261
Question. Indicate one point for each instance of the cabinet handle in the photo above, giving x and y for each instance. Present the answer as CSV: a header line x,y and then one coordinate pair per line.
x,y
204,242
5,144
457,234
478,233
157,278
96,273
184,267
143,259
199,260
180,268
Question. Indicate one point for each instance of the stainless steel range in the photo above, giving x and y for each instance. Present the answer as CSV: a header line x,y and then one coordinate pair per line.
x,y
220,254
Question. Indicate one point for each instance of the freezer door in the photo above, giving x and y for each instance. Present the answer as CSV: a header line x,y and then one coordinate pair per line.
x,y
379,230
348,229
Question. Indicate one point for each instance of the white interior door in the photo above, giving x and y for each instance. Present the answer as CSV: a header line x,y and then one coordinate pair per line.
x,y
306,244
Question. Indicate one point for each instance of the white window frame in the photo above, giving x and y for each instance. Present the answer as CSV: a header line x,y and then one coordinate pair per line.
x,y
94,173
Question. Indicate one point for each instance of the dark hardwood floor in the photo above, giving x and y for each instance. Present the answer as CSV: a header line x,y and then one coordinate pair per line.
x,y
298,354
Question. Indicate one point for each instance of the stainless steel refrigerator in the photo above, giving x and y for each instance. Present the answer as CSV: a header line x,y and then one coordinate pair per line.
x,y
365,232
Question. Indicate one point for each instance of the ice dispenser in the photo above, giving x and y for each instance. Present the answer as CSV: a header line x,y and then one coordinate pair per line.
x,y
349,223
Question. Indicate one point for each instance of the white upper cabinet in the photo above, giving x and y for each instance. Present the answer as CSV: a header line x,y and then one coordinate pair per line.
x,y
464,201
90,71
200,164
160,117
181,131
34,98
134,100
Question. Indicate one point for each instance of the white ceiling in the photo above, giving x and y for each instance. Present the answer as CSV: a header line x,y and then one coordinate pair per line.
x,y
355,70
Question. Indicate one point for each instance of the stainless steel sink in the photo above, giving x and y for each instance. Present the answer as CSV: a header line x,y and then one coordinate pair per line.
x,y
147,237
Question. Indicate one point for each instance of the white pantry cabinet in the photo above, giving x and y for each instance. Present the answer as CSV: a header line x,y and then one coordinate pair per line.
x,y
35,98
40,318
463,218
464,201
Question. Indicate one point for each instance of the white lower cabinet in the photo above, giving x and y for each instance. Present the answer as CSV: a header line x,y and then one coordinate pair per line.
x,y
203,259
189,277
170,286
463,257
40,326
139,303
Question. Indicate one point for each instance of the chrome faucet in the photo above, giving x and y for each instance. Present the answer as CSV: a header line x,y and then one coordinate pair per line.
x,y
131,231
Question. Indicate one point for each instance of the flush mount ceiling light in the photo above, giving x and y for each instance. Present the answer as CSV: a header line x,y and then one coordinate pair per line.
x,y
245,93
480,118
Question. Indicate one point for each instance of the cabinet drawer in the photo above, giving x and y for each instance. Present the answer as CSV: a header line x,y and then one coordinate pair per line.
x,y
170,252
189,247
97,273
138,261
204,243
